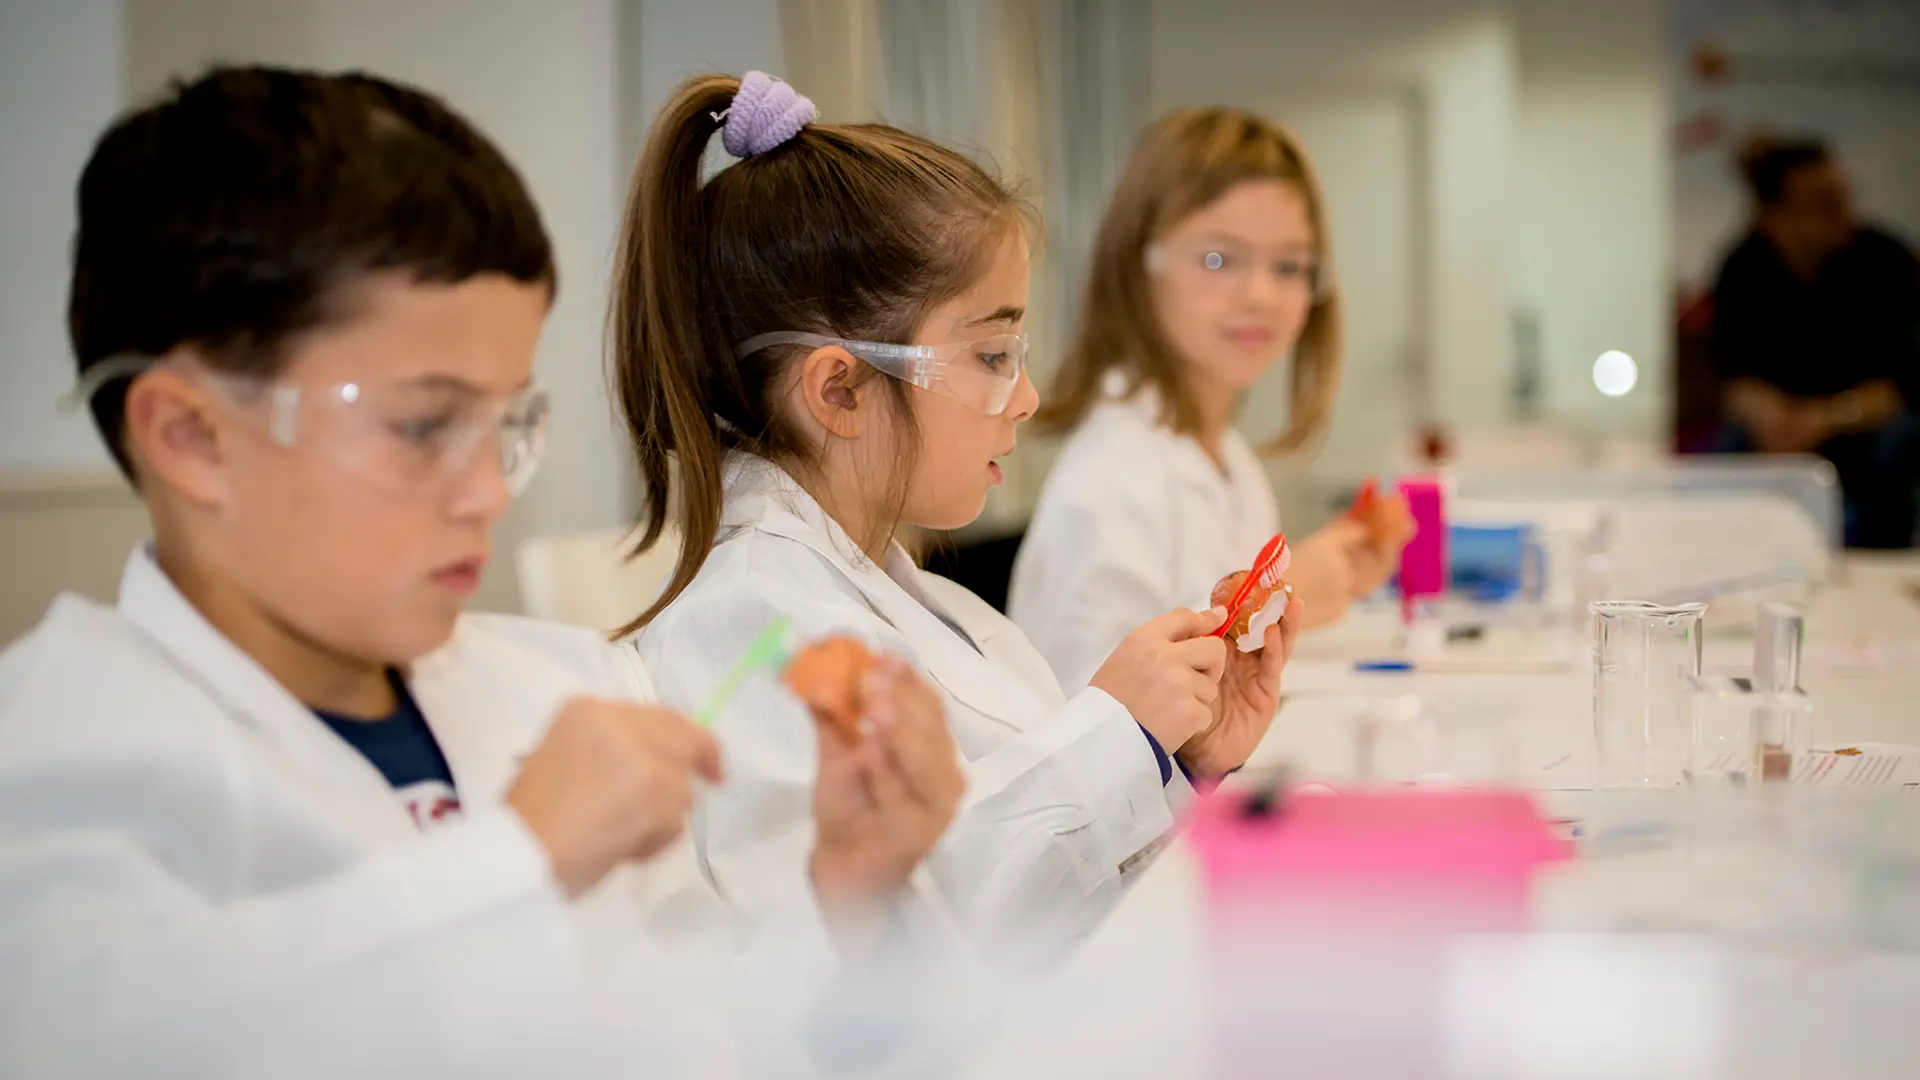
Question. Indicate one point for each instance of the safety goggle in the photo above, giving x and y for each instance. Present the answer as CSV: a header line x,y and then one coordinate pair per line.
x,y
410,436
1230,266
982,374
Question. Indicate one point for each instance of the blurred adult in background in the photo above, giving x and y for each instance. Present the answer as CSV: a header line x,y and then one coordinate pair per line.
x,y
1815,325
1211,265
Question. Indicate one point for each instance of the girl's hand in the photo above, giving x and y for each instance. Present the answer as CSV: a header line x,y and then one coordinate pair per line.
x,y
880,805
1323,570
1249,698
1386,535
1167,674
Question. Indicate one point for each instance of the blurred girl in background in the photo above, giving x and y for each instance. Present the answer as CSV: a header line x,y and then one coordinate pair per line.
x,y
1211,264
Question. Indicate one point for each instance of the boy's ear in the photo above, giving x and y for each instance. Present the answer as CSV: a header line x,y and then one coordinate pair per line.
x,y
174,431
826,385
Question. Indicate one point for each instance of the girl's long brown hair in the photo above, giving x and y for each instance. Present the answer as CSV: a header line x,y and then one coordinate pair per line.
x,y
1183,162
851,230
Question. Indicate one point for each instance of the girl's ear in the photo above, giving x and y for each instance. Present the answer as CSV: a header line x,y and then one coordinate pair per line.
x,y
827,388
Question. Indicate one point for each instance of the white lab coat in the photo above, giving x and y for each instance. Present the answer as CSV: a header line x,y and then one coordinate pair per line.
x,y
1134,521
1063,793
199,878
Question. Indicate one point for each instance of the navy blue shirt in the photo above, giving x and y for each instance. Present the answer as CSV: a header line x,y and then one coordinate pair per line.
x,y
403,748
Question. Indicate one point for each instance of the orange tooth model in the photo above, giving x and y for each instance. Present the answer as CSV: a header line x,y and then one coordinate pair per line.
x,y
827,675
1255,599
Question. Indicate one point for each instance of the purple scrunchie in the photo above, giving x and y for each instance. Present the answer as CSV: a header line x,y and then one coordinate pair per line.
x,y
765,113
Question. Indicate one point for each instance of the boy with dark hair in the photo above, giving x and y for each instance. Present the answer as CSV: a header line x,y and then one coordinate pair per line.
x,y
284,810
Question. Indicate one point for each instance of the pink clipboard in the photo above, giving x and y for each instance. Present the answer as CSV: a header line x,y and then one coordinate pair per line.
x,y
1451,859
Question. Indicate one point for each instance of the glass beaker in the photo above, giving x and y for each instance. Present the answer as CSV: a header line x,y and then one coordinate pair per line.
x,y
1644,655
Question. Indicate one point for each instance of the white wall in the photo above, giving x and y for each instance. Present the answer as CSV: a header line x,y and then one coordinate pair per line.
x,y
666,43
60,84
1593,204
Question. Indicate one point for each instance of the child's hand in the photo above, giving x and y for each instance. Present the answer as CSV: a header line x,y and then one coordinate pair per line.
x,y
1390,526
1167,674
1249,698
881,804
611,781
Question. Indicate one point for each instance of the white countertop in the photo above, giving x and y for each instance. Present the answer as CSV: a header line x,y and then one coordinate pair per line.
x,y
1136,1004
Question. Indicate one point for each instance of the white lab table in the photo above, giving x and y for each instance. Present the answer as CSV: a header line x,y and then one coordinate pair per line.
x,y
1135,1003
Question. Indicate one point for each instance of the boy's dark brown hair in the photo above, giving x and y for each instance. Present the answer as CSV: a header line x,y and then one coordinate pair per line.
x,y
854,231
239,211
1184,161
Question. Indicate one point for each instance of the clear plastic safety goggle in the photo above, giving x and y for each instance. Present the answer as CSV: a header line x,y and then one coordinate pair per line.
x,y
981,374
411,435
1232,266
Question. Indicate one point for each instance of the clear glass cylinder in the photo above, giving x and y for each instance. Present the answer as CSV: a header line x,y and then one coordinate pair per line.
x,y
1723,744
1782,732
1742,736
1644,658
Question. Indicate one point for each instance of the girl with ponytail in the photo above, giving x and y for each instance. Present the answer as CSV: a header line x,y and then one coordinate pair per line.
x,y
817,345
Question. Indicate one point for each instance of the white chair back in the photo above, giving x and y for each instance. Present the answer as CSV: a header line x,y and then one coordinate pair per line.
x,y
586,579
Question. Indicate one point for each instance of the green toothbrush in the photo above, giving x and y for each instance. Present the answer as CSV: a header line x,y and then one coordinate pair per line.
x,y
769,652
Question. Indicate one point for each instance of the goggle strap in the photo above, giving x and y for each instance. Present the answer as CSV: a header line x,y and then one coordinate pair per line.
x,y
286,414
886,351
96,378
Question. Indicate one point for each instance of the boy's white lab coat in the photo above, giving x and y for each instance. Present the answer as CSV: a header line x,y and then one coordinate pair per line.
x,y
1134,521
198,878
1062,792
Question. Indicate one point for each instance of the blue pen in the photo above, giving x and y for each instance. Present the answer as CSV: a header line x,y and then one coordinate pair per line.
x,y
1365,666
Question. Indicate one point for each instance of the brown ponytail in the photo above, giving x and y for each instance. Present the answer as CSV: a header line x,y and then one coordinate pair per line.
x,y
654,327
848,230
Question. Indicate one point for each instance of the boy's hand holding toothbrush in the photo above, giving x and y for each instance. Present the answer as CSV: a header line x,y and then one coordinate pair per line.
x,y
611,782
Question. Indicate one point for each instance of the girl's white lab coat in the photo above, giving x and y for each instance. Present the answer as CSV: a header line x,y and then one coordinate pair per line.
x,y
1134,521
1063,793
198,878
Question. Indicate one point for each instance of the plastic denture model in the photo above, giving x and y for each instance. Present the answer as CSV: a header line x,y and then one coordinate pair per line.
x,y
1255,598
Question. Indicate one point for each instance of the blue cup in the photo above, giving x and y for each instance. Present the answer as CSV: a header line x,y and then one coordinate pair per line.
x,y
1495,564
